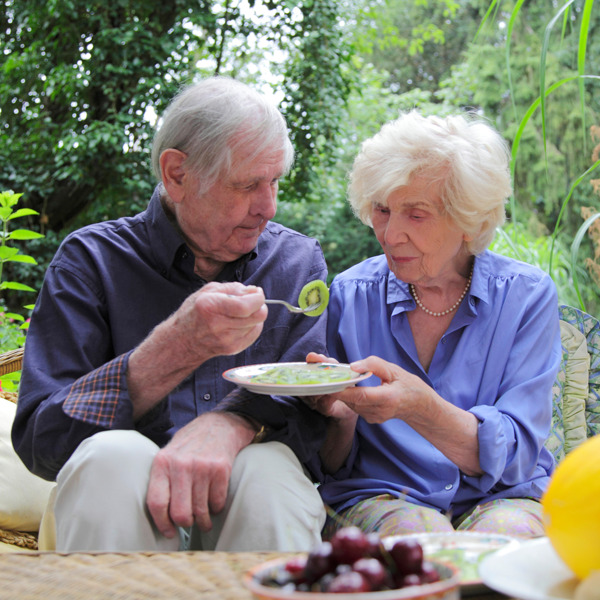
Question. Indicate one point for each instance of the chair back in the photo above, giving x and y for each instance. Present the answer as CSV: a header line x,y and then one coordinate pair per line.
x,y
576,391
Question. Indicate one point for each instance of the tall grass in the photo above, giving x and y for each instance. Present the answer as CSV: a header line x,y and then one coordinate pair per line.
x,y
551,257
516,240
579,236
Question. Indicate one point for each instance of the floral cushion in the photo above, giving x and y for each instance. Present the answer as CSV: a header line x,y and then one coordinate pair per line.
x,y
590,327
570,394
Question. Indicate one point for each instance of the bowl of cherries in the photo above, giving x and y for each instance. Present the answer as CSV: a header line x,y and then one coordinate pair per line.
x,y
357,565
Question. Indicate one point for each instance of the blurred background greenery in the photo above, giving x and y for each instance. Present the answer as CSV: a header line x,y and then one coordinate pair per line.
x,y
82,82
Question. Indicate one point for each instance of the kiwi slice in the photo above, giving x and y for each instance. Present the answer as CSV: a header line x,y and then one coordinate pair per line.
x,y
312,293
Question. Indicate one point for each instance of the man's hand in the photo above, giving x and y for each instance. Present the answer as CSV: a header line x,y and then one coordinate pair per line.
x,y
190,476
220,319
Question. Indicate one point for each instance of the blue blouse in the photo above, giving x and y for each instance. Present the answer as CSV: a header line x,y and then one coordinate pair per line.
x,y
498,360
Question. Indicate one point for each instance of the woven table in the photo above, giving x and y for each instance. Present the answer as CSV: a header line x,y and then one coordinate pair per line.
x,y
127,576
135,575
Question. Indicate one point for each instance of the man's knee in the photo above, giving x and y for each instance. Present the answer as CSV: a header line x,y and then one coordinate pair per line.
x,y
270,474
114,450
271,465
107,463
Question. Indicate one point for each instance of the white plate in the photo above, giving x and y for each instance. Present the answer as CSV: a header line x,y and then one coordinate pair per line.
x,y
464,549
324,378
531,571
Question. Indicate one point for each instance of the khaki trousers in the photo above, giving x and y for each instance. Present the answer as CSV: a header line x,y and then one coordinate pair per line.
x,y
99,502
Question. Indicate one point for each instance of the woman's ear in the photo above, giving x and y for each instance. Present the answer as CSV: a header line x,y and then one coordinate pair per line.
x,y
173,173
469,237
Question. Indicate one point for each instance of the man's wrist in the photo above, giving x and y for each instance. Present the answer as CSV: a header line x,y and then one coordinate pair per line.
x,y
260,431
260,435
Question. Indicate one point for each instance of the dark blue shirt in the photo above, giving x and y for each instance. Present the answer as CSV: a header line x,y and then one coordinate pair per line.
x,y
107,287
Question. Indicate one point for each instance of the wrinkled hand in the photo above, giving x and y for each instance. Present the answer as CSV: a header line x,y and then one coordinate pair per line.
x,y
399,396
189,478
220,319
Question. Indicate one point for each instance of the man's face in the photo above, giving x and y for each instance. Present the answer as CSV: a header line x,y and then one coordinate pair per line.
x,y
225,222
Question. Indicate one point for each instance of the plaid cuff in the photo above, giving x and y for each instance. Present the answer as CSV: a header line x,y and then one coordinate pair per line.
x,y
94,398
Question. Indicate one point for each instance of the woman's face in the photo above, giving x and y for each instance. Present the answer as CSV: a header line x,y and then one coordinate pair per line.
x,y
420,242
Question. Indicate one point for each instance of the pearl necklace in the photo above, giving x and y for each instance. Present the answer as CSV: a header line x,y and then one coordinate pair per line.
x,y
444,312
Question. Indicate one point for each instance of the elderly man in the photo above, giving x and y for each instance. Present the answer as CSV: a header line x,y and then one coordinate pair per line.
x,y
122,398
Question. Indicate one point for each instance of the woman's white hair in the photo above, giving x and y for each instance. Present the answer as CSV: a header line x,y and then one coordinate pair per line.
x,y
466,156
211,120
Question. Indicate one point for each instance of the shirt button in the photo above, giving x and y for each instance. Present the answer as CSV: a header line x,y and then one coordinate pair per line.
x,y
206,396
448,486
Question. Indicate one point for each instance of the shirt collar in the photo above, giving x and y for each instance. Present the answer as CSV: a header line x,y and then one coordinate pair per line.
x,y
479,282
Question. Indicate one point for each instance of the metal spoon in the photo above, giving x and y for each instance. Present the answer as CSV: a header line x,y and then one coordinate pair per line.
x,y
291,308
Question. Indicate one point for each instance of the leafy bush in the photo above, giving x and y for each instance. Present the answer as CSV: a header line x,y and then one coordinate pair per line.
x,y
344,239
517,241
13,325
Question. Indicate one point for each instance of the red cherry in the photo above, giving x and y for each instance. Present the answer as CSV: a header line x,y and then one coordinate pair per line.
x,y
408,580
296,565
319,562
429,573
374,548
349,582
348,545
372,570
407,555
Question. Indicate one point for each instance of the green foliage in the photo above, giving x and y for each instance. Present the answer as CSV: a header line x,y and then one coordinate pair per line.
x,y
530,243
593,265
316,89
13,325
344,239
81,84
10,253
12,335
415,41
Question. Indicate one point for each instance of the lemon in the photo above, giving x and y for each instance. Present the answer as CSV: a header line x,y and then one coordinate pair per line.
x,y
571,508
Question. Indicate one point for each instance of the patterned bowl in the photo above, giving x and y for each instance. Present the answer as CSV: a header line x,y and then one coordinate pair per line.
x,y
447,588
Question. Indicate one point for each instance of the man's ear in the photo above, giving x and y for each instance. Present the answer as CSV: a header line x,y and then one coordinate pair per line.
x,y
173,172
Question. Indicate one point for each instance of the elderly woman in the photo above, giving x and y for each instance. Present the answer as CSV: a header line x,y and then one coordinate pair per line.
x,y
464,344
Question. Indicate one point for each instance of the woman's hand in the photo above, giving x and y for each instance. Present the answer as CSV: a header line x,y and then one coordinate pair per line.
x,y
401,395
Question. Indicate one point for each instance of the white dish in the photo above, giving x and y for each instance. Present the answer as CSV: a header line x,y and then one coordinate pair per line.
x,y
463,549
322,378
530,571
